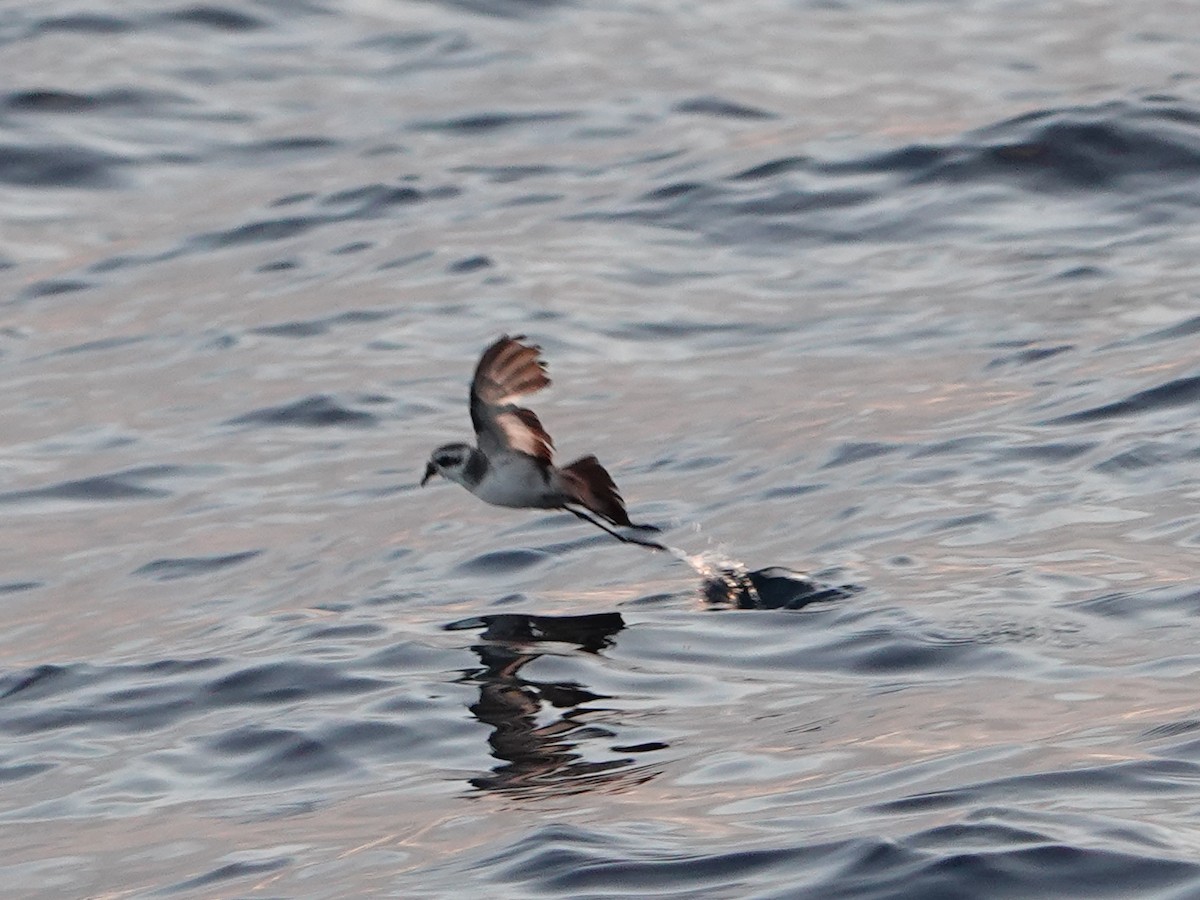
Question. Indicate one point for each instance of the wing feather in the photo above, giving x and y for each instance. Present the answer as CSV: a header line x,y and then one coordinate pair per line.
x,y
507,371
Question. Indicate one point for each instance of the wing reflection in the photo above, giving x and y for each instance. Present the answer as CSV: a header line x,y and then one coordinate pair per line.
x,y
541,752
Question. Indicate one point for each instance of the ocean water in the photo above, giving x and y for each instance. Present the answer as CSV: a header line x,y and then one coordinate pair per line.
x,y
900,295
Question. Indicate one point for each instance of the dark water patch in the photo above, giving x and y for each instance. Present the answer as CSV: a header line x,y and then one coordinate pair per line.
x,y
351,248
856,452
215,18
85,23
1053,870
405,261
482,123
982,860
286,681
217,341
372,198
875,652
1186,328
292,199
700,463
1172,394
1172,729
127,261
653,277
914,159
513,173
54,287
320,411
1061,451
32,682
1112,146
797,202
1163,604
97,346
280,265
121,698
747,211
1141,778
99,489
374,399
678,189
269,152
22,771
856,639
561,860
368,202
373,737
406,41
534,199
1029,356
1077,273
501,562
274,755
469,264
774,168
724,109
674,328
293,329
959,446
19,587
45,100
314,327
193,566
151,696
1120,164
1146,455
507,9
251,868
978,835
405,53
955,523
339,632
259,232
789,491
934,801
50,165
295,144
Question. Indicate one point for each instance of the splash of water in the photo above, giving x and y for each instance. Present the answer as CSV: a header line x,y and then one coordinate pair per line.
x,y
727,582
724,580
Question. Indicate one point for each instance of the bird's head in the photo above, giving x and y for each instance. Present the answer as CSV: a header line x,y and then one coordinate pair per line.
x,y
449,461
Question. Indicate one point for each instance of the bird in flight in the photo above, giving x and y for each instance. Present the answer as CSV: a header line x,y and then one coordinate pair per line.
x,y
513,462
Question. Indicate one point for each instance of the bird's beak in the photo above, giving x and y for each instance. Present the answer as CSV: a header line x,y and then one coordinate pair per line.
x,y
430,471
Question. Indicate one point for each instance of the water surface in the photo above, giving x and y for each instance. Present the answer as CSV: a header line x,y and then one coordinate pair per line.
x,y
826,287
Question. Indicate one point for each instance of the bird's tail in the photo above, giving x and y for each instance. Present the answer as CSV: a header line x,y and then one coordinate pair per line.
x,y
592,487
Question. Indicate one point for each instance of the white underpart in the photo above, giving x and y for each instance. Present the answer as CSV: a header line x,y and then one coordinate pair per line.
x,y
516,480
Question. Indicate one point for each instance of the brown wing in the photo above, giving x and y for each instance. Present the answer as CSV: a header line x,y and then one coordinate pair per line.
x,y
507,371
594,488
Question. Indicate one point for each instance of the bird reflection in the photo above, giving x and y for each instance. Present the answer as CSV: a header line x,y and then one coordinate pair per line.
x,y
541,755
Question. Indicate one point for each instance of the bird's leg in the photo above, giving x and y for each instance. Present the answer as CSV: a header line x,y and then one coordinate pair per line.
x,y
620,537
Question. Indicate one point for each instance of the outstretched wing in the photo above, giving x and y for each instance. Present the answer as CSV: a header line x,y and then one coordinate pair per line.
x,y
507,371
